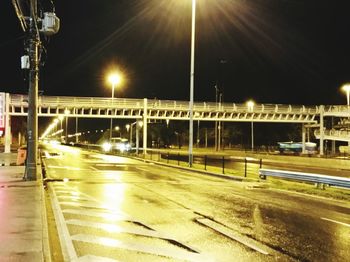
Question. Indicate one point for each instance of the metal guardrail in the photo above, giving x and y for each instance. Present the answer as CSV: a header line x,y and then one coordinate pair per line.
x,y
318,179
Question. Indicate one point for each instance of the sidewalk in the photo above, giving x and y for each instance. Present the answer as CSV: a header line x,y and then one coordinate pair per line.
x,y
21,219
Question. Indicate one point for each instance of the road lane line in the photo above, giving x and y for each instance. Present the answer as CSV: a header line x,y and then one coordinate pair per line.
x,y
335,221
230,234
138,247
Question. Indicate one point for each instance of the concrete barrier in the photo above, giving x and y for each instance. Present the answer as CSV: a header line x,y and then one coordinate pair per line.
x,y
21,156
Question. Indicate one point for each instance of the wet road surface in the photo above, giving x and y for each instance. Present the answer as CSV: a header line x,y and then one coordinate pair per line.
x,y
110,208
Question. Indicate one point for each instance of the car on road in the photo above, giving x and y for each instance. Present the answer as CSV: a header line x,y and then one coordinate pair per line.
x,y
117,144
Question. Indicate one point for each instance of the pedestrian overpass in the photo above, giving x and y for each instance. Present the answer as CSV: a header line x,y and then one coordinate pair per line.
x,y
154,109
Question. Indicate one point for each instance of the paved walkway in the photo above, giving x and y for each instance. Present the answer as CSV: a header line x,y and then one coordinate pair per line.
x,y
21,219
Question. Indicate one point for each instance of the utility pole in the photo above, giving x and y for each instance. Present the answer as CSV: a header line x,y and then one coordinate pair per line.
x,y
32,128
33,26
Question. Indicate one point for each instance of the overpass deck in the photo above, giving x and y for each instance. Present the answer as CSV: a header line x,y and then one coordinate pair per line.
x,y
152,109
101,107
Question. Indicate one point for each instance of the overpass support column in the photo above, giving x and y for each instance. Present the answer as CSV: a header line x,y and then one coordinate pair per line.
x,y
145,120
8,136
303,138
321,129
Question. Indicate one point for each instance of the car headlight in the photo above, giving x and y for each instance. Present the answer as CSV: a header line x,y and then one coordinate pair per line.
x,y
106,146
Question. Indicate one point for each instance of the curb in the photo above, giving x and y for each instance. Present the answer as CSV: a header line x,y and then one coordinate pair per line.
x,y
45,233
9,164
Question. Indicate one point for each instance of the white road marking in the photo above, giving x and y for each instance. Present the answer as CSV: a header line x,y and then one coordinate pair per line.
x,y
132,246
70,168
231,234
112,216
335,221
73,198
111,228
89,205
63,192
94,168
90,258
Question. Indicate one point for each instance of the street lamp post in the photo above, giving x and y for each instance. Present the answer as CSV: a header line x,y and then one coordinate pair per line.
x,y
346,89
114,79
250,105
55,122
76,130
220,126
61,117
66,112
127,126
139,125
193,33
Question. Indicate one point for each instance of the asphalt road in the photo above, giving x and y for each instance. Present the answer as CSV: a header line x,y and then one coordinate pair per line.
x,y
109,207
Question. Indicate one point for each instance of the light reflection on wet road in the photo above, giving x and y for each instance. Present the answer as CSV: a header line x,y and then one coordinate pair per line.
x,y
128,210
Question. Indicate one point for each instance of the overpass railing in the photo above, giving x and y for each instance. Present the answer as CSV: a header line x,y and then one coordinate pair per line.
x,y
153,104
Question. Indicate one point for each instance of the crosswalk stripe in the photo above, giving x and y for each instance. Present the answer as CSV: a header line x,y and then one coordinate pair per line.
x,y
165,252
90,258
74,198
88,205
112,216
116,229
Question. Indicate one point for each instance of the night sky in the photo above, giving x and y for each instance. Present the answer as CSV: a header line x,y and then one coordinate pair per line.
x,y
273,51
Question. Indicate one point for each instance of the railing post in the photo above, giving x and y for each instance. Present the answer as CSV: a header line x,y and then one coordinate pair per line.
x,y
167,158
223,164
205,162
178,159
8,135
260,164
245,167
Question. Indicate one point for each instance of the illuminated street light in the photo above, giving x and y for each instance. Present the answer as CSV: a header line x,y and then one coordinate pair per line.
x,y
193,33
114,79
250,105
117,128
346,89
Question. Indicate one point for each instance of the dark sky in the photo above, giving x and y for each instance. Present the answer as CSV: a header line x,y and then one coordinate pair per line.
x,y
275,51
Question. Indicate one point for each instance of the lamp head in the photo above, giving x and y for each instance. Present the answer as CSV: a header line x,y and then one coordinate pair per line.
x,y
114,79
